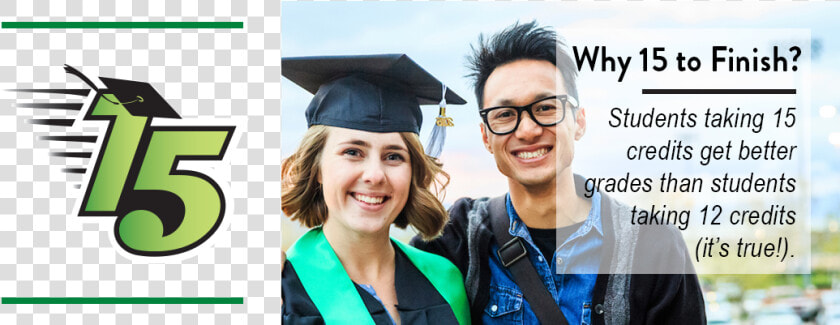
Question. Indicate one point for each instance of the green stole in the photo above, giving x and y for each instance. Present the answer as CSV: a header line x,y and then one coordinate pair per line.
x,y
337,299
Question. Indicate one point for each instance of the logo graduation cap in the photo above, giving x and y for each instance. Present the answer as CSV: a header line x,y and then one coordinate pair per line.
x,y
160,210
139,98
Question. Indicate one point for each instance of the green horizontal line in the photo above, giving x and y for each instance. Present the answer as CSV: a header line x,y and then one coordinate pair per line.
x,y
121,300
121,24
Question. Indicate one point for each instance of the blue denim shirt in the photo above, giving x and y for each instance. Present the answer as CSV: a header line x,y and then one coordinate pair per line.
x,y
569,275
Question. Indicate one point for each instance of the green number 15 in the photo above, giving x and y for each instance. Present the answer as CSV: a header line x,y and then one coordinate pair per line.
x,y
161,210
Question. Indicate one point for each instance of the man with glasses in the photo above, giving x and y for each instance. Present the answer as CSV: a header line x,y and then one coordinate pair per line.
x,y
535,254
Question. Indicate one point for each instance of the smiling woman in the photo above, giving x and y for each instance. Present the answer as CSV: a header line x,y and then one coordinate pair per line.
x,y
329,155
359,169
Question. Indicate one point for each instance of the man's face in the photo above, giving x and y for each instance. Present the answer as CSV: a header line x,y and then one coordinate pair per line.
x,y
530,155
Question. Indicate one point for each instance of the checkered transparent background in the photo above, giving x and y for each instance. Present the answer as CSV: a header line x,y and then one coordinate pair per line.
x,y
46,251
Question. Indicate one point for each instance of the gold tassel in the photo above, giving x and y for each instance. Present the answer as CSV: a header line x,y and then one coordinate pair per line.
x,y
442,120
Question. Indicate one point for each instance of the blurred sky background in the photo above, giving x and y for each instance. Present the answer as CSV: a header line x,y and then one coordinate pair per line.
x,y
438,35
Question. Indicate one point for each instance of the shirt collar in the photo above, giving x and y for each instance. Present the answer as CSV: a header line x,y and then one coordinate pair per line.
x,y
593,220
517,227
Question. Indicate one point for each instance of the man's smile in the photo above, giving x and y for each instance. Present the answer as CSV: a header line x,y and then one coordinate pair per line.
x,y
532,152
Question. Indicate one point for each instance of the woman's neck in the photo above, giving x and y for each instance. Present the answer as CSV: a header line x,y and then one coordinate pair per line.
x,y
365,257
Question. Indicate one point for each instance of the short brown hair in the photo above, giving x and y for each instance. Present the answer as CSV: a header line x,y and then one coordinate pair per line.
x,y
302,199
518,42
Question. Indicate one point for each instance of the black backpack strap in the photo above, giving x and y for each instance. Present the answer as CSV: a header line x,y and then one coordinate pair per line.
x,y
514,256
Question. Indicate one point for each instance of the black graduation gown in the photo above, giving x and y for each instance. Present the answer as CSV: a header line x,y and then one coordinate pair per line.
x,y
419,301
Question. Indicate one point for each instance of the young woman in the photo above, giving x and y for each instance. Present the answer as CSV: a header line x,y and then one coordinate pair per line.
x,y
359,169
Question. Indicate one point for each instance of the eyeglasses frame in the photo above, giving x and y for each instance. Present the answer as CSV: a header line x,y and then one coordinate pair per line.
x,y
563,98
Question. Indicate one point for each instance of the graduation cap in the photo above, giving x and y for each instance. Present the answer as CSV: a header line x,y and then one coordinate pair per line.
x,y
139,98
376,93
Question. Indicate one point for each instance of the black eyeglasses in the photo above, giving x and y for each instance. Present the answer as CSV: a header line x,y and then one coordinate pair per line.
x,y
548,111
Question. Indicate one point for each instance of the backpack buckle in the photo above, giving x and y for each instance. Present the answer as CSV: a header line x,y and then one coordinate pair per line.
x,y
510,252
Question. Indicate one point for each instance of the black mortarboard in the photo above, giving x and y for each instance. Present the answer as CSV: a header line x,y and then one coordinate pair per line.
x,y
139,98
376,93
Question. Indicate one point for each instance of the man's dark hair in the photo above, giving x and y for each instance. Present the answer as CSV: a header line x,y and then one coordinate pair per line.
x,y
520,41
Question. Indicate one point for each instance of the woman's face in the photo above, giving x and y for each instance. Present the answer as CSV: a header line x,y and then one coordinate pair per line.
x,y
365,178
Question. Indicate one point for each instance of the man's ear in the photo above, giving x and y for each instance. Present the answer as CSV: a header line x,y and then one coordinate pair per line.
x,y
580,123
484,137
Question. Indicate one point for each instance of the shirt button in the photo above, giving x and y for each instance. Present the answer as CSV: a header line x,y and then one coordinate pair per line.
x,y
559,261
599,309
494,308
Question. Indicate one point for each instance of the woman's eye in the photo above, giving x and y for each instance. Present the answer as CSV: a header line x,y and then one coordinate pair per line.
x,y
352,152
395,156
